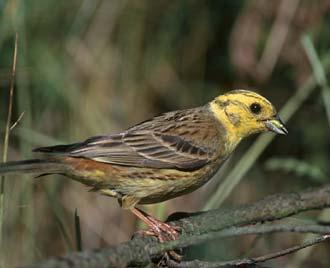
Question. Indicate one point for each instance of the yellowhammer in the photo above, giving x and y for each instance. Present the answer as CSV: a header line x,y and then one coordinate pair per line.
x,y
161,158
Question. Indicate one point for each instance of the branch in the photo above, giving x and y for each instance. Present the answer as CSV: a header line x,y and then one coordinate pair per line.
x,y
200,227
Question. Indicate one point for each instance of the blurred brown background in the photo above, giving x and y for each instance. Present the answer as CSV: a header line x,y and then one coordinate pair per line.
x,y
88,67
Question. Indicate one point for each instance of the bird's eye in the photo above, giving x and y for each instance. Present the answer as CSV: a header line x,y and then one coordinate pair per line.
x,y
255,108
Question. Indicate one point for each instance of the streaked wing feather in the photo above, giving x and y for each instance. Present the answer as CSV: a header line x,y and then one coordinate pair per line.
x,y
146,150
154,144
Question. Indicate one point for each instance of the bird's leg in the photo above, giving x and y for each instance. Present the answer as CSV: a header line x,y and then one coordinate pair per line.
x,y
158,227
163,231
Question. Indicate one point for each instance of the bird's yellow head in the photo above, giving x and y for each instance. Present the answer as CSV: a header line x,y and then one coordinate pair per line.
x,y
244,112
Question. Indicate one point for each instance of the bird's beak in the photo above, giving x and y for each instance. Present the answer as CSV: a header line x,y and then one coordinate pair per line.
x,y
276,125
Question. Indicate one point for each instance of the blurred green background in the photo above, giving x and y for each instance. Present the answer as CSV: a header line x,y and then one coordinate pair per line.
x,y
89,67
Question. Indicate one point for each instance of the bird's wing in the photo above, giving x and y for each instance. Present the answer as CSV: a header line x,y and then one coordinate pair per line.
x,y
178,140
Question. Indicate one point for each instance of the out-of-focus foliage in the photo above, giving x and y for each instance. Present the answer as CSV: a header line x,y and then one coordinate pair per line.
x,y
94,67
297,167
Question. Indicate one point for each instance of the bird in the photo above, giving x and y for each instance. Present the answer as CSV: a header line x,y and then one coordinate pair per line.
x,y
167,156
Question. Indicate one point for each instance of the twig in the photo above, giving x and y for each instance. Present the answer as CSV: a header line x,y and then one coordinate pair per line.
x,y
248,261
17,121
271,228
290,250
244,230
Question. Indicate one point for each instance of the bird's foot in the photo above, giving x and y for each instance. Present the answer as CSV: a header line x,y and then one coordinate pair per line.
x,y
163,231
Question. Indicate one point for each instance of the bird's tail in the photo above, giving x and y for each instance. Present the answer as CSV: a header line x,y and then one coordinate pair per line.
x,y
37,166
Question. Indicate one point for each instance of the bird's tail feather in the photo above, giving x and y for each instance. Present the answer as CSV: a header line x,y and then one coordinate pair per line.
x,y
37,166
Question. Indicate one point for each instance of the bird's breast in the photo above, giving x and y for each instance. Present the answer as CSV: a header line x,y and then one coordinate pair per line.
x,y
149,185
169,184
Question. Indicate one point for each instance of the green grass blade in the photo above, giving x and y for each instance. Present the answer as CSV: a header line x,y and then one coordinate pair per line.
x,y
77,230
5,147
318,71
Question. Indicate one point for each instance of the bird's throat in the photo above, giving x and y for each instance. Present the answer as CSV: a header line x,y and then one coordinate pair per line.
x,y
231,123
